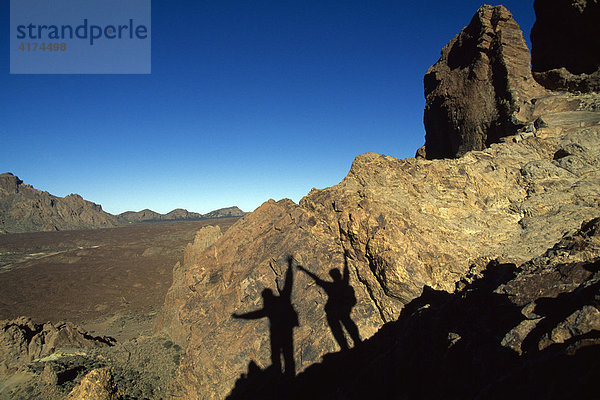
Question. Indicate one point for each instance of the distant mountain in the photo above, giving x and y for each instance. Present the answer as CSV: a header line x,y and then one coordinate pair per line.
x,y
179,214
225,212
26,209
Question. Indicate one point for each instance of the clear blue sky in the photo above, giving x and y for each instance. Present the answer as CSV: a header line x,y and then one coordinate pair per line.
x,y
247,100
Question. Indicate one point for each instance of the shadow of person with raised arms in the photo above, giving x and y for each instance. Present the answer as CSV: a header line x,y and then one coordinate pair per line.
x,y
282,320
340,300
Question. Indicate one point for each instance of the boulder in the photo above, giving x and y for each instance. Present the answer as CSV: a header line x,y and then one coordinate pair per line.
x,y
98,384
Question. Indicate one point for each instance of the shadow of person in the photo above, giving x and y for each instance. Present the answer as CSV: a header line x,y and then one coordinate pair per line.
x,y
340,300
282,320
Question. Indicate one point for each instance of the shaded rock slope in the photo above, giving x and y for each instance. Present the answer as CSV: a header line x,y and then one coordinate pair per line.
x,y
565,44
510,332
406,224
405,229
26,209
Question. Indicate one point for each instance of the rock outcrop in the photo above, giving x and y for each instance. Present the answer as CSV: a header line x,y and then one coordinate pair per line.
x,y
410,231
565,44
481,88
98,384
177,294
406,224
22,341
25,209
506,332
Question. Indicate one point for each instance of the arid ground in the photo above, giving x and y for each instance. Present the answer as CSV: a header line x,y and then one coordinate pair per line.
x,y
109,281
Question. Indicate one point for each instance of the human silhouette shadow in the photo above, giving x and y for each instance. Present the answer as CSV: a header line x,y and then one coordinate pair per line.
x,y
282,320
340,300
444,346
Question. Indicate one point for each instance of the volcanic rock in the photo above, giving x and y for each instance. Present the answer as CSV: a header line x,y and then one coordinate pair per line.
x,y
478,342
481,88
407,230
405,225
565,44
175,297
98,384
22,341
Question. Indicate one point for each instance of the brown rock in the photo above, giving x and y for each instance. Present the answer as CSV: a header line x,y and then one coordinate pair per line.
x,y
176,296
97,384
405,223
481,88
9,183
22,341
565,44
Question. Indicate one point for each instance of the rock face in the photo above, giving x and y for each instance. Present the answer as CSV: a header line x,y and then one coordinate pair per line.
x,y
506,332
480,89
175,297
98,384
25,209
406,224
565,43
22,341
411,233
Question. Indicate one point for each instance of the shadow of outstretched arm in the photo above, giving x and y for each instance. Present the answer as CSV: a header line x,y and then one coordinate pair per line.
x,y
346,273
289,280
250,315
317,280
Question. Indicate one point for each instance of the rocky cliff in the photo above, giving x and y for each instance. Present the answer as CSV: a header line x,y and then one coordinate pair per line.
x,y
481,88
401,230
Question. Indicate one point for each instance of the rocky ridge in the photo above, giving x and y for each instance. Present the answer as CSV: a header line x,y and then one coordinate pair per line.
x,y
409,228
26,209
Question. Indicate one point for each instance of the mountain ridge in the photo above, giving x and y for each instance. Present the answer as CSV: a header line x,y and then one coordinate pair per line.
x,y
24,208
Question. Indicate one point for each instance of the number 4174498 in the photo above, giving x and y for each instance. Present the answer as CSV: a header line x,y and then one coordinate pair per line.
x,y
42,46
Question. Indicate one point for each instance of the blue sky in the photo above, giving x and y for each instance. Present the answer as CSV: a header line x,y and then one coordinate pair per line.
x,y
247,100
